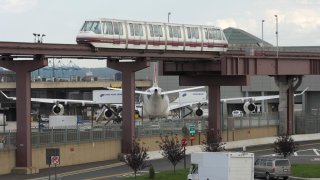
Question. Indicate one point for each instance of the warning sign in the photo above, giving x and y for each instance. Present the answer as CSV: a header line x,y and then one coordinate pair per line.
x,y
55,160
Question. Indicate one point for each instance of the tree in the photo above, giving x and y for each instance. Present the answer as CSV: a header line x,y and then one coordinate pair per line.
x,y
137,159
151,172
171,149
285,145
212,143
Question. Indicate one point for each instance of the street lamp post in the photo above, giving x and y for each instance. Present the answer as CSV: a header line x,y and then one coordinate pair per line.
x,y
277,34
262,44
169,13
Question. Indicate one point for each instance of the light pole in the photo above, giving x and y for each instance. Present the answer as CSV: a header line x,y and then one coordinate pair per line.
x,y
277,34
169,13
262,44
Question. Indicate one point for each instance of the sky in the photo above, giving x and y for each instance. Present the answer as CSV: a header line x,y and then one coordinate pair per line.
x,y
60,20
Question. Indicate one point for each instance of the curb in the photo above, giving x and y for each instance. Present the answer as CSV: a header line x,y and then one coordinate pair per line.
x,y
300,178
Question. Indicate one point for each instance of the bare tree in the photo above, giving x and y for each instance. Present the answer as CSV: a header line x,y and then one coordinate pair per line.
x,y
171,149
285,145
212,143
137,159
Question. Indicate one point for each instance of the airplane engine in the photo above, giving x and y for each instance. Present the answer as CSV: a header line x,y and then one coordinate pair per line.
x,y
249,107
58,109
108,113
199,112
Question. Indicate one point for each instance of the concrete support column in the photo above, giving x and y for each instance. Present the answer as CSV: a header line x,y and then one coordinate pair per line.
x,y
286,102
290,114
214,119
128,70
23,107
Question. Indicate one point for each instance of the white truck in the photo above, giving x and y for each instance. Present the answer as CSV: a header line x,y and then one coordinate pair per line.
x,y
221,166
63,122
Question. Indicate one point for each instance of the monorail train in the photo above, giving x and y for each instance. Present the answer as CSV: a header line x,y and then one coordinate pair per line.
x,y
125,34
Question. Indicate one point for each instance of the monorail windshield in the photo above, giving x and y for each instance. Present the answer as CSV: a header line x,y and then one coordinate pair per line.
x,y
92,26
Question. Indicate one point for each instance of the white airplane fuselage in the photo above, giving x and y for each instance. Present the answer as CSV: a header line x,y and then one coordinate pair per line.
x,y
155,105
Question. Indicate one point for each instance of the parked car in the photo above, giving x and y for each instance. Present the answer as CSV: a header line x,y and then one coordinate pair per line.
x,y
237,113
272,167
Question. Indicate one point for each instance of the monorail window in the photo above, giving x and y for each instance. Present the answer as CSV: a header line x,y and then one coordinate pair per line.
x,y
155,30
108,28
193,32
174,31
136,29
92,26
117,27
209,33
112,28
217,34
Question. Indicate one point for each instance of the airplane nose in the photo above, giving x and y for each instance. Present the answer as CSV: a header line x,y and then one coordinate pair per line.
x,y
156,90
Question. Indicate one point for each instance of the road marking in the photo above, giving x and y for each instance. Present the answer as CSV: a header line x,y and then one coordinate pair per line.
x,y
70,173
316,152
102,177
125,174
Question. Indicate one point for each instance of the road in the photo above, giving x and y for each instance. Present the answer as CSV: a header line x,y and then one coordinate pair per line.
x,y
115,170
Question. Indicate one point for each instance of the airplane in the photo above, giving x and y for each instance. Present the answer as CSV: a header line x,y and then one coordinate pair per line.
x,y
155,102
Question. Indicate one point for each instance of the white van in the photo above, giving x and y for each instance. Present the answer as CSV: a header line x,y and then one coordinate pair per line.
x,y
237,113
272,167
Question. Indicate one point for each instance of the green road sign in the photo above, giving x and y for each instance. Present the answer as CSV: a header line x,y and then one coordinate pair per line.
x,y
192,130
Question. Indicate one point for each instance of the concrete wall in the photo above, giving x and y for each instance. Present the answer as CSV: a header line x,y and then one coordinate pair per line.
x,y
7,161
71,154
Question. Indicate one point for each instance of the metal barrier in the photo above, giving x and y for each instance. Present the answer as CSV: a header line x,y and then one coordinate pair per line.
x,y
90,133
307,123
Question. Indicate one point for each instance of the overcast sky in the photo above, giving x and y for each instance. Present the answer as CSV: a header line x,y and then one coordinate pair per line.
x,y
60,20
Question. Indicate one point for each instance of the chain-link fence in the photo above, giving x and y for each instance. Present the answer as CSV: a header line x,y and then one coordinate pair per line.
x,y
91,133
307,123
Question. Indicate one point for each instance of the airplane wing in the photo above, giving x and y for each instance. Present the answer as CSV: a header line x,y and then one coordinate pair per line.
x,y
258,98
176,105
53,101
136,91
181,90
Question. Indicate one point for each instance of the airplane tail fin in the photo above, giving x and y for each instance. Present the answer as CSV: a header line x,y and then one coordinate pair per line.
x,y
155,80
302,92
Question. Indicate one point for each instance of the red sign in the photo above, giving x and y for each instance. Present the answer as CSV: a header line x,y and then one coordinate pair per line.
x,y
191,138
55,160
184,142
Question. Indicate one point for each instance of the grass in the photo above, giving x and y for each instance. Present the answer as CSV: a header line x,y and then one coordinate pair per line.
x,y
165,175
298,170
306,170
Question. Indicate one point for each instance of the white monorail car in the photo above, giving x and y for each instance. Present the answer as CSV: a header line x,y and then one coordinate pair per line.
x,y
112,33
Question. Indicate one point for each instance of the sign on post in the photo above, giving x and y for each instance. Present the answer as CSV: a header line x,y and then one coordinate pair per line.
x,y
199,126
192,130
184,142
55,160
50,152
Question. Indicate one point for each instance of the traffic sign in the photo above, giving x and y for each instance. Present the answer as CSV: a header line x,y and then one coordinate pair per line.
x,y
55,160
184,142
199,126
192,130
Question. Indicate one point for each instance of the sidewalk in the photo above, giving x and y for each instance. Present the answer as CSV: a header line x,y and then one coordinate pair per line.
x,y
155,155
